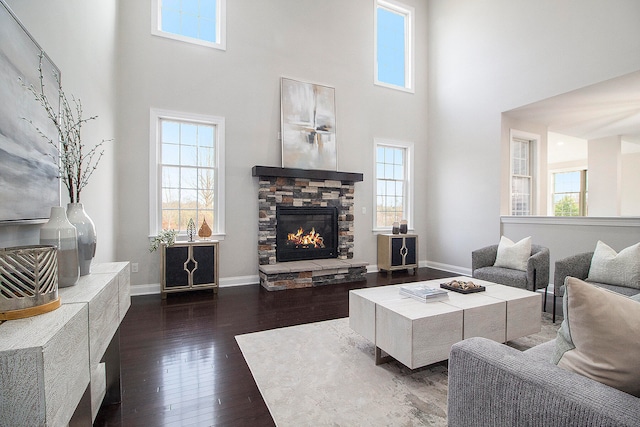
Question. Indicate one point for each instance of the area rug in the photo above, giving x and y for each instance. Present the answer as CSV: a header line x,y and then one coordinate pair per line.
x,y
324,374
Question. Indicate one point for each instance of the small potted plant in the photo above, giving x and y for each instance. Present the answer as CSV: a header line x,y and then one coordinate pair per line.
x,y
168,237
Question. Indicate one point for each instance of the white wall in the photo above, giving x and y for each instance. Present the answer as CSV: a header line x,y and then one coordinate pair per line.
x,y
328,42
630,194
605,176
80,37
489,57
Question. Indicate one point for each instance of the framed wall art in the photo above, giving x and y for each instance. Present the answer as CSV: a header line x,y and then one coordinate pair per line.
x,y
308,126
29,184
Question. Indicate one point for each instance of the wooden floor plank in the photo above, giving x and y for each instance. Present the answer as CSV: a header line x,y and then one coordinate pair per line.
x,y
182,366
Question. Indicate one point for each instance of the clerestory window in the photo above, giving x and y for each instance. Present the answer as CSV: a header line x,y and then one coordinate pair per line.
x,y
201,22
394,38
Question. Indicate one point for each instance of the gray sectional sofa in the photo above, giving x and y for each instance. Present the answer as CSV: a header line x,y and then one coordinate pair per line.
x,y
491,384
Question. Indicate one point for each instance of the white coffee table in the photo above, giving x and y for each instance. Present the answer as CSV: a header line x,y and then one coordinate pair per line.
x,y
418,334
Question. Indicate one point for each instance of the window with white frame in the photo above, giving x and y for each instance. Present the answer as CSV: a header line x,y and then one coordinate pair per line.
x,y
394,36
569,196
187,181
394,183
201,22
521,176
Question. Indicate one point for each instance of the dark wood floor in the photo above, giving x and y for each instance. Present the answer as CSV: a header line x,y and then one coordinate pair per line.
x,y
181,365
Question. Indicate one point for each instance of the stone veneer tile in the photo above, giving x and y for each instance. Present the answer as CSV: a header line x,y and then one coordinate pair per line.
x,y
331,263
303,192
297,266
275,268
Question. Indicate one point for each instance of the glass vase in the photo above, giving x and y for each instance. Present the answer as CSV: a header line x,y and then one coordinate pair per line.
x,y
59,232
87,238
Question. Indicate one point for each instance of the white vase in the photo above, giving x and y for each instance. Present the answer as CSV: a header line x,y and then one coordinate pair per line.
x,y
60,233
86,235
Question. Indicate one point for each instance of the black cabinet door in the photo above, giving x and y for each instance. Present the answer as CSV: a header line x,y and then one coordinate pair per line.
x,y
205,256
175,274
410,243
396,251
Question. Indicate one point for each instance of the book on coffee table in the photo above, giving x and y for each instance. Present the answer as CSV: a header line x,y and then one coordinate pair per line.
x,y
423,293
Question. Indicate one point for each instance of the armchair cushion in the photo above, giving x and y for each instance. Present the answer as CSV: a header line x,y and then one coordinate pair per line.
x,y
598,337
513,255
535,277
621,269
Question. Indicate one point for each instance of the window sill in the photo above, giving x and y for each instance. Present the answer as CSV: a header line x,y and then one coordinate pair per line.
x,y
398,88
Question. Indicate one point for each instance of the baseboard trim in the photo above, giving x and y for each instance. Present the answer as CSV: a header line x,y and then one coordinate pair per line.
x,y
447,267
154,288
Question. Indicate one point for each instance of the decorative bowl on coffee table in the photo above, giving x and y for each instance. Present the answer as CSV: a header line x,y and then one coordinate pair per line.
x,y
462,287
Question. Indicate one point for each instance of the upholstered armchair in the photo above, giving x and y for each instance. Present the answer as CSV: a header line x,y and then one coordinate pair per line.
x,y
536,276
578,266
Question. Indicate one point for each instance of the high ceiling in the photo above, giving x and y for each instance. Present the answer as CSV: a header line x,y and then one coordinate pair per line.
x,y
604,109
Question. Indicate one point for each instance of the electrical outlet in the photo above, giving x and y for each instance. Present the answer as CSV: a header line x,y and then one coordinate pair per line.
x,y
134,267
364,210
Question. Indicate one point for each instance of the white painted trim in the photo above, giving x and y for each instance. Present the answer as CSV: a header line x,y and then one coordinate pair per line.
x,y
147,289
622,221
221,36
409,13
447,267
154,165
154,288
240,281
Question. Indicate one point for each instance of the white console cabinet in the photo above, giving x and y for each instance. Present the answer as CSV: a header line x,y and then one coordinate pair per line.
x,y
57,368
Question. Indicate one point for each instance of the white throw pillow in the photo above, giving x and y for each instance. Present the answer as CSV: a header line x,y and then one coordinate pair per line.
x,y
513,255
622,269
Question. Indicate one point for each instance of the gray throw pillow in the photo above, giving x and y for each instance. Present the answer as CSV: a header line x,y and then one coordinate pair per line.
x,y
621,269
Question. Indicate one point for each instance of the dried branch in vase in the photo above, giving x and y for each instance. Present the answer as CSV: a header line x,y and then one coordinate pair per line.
x,y
76,164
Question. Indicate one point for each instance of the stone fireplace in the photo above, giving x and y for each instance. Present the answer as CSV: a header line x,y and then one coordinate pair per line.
x,y
315,193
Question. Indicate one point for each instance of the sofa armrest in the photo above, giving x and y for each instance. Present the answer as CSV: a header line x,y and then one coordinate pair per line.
x,y
538,262
484,257
493,384
575,266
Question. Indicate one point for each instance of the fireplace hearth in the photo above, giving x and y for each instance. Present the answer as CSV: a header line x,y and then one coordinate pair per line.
x,y
306,233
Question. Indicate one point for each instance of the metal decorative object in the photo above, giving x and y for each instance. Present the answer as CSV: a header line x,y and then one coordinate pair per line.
x,y
28,281
191,229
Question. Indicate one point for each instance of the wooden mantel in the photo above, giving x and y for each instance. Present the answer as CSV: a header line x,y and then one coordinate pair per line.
x,y
306,173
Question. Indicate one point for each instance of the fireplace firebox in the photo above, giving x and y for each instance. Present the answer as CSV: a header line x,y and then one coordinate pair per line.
x,y
304,233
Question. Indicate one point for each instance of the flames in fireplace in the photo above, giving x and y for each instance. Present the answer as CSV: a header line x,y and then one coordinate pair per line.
x,y
306,232
311,239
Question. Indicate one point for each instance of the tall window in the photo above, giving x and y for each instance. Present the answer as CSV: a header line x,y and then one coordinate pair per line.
x,y
570,193
196,21
394,183
521,176
394,45
189,166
